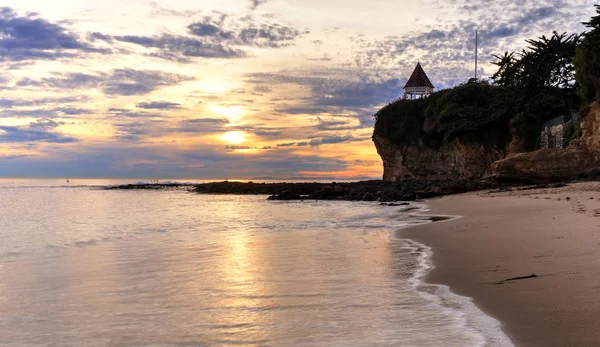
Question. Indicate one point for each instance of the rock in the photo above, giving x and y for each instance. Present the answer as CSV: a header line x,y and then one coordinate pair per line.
x,y
394,204
332,192
544,166
457,160
285,195
375,190
368,197
590,129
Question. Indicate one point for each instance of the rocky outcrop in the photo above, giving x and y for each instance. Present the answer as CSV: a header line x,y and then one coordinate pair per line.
x,y
590,129
353,191
544,166
456,160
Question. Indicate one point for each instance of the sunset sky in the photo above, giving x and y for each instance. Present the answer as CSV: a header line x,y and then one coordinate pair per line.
x,y
240,89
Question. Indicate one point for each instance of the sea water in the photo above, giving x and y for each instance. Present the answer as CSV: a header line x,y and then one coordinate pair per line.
x,y
82,266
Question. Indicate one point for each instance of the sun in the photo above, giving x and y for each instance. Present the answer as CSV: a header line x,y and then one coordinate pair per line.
x,y
235,137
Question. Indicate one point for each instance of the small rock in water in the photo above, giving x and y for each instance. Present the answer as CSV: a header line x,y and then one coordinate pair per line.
x,y
394,204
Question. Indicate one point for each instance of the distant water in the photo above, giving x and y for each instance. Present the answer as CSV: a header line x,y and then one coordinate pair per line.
x,y
81,266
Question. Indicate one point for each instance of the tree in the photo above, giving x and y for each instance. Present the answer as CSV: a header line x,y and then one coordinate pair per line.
x,y
587,61
546,63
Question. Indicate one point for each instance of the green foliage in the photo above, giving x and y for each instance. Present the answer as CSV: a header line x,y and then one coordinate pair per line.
x,y
402,119
469,109
587,61
474,111
546,62
464,109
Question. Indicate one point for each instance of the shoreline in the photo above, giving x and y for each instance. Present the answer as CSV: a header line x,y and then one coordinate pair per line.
x,y
502,239
466,313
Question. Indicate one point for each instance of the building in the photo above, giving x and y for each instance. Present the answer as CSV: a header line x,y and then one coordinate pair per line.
x,y
557,132
418,85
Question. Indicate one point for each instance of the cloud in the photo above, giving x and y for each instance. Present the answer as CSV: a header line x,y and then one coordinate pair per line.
x,y
178,48
335,124
9,103
13,157
327,140
30,113
212,37
340,93
30,38
120,113
42,130
202,125
118,82
140,129
100,37
158,105
254,4
446,49
73,111
249,34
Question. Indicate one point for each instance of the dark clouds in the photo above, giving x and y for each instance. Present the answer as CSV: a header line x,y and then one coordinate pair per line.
x,y
326,140
117,82
30,38
213,37
202,125
338,93
249,34
254,4
9,102
158,105
178,48
43,130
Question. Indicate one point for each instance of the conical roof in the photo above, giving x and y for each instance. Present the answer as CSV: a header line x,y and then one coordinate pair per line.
x,y
419,78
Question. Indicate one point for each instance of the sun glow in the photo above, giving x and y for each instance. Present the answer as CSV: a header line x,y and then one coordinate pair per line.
x,y
235,137
233,114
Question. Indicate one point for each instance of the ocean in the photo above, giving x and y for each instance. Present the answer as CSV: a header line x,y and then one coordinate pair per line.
x,y
82,266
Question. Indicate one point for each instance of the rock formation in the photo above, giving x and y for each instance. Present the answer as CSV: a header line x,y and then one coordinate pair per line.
x,y
544,166
590,129
551,165
457,160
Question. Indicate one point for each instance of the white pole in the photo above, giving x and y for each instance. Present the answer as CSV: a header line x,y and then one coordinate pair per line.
x,y
476,48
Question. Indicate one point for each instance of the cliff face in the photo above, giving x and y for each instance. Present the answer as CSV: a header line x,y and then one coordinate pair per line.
x,y
454,161
590,129
580,159
452,135
456,134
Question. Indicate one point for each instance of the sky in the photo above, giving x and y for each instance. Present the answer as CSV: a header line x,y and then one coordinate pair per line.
x,y
237,89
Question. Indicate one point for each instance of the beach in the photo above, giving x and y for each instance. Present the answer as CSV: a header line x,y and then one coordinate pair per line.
x,y
529,258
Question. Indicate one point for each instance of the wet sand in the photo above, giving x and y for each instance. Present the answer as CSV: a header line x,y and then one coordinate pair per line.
x,y
491,253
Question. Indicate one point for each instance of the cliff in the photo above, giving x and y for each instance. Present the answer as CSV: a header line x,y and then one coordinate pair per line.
x,y
457,134
455,160
454,134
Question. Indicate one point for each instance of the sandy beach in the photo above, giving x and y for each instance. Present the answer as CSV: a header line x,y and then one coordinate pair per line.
x,y
553,234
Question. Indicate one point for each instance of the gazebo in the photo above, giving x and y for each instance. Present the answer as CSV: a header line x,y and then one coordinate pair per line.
x,y
418,85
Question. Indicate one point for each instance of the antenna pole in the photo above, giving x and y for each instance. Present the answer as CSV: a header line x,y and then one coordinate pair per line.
x,y
476,49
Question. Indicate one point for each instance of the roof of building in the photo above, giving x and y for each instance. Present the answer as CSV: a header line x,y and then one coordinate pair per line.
x,y
419,78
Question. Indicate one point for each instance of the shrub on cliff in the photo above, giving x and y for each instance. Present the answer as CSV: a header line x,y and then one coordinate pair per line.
x,y
587,61
474,112
467,110
401,120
